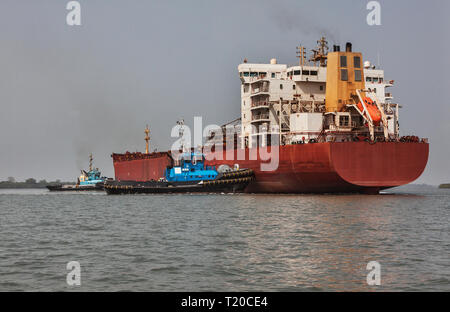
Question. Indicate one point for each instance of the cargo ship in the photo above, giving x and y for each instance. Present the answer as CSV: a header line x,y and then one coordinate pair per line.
x,y
328,123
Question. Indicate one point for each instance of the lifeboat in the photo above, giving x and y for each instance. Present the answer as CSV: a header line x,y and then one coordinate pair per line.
x,y
372,110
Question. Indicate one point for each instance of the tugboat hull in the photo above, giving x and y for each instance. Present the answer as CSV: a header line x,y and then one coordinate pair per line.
x,y
75,188
234,182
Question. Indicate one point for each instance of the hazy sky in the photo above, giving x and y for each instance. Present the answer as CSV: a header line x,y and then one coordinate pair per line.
x,y
67,91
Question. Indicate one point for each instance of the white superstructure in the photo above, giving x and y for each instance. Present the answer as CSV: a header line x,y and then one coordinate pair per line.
x,y
289,101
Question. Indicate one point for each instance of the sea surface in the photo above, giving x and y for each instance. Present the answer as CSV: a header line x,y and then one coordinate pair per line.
x,y
225,242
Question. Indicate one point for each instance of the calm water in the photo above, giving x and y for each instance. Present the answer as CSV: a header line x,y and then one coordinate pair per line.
x,y
225,242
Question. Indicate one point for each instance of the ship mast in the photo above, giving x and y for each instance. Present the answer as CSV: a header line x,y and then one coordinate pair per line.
x,y
301,54
147,139
181,133
90,162
320,53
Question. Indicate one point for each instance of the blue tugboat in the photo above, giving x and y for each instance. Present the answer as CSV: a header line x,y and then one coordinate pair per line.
x,y
191,169
87,181
189,175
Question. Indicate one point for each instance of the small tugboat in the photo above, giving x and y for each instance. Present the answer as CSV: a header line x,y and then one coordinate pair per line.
x,y
87,181
191,175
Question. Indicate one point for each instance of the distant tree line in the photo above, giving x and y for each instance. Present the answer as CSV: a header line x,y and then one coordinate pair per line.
x,y
29,183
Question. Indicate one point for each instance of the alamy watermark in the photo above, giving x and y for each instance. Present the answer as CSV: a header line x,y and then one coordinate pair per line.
x,y
226,143
374,16
374,276
73,18
73,278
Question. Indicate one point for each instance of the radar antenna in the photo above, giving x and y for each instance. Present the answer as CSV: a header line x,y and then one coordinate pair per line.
x,y
320,52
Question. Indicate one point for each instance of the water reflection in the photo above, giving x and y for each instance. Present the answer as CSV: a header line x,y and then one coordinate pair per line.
x,y
226,242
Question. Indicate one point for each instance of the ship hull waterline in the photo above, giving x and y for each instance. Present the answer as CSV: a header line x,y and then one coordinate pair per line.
x,y
74,188
329,167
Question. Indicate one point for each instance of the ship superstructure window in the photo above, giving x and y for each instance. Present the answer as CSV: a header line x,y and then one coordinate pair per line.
x,y
344,121
343,61
273,75
357,62
321,88
253,74
358,75
281,87
369,79
313,73
262,74
246,74
296,72
375,79
305,72
344,75
293,87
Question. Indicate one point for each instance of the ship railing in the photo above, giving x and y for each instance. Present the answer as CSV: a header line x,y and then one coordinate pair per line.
x,y
260,117
256,78
260,104
260,90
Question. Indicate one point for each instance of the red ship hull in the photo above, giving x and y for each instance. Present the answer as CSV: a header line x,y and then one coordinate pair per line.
x,y
331,167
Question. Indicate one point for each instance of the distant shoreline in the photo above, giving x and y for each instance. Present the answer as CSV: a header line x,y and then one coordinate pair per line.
x,y
25,185
444,186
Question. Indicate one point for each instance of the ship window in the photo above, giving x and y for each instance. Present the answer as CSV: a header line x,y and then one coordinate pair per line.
x,y
240,74
357,75
381,79
369,79
296,72
357,62
344,121
344,75
293,87
321,88
253,74
306,72
262,74
314,73
343,61
246,74
375,79
281,87
273,75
